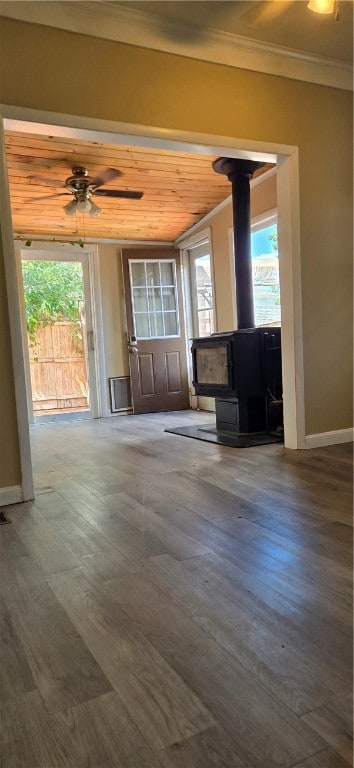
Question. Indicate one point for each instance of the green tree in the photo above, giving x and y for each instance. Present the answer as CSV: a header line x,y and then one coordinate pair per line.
x,y
273,238
53,292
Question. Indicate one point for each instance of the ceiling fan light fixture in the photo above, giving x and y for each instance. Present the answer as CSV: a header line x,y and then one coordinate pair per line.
x,y
82,186
83,205
322,6
94,210
70,208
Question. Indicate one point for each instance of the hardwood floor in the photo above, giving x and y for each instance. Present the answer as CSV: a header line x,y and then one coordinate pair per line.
x,y
171,603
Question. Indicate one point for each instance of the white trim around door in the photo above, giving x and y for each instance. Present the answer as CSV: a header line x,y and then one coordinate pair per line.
x,y
26,484
88,257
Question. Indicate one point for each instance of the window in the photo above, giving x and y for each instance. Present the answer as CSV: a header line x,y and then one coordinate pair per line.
x,y
265,270
202,289
154,298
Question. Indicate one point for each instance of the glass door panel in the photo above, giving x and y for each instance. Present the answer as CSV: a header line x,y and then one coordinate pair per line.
x,y
59,321
154,298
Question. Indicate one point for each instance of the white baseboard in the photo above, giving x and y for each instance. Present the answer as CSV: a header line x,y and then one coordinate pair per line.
x,y
329,438
11,495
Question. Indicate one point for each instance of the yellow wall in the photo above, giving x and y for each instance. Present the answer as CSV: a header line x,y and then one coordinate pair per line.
x,y
129,84
223,274
10,472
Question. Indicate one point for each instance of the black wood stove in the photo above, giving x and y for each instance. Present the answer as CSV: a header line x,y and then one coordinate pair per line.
x,y
241,368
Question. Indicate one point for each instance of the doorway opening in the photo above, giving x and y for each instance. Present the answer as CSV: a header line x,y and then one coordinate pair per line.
x,y
58,336
286,158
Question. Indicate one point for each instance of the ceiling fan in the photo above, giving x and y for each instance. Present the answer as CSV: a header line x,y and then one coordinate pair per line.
x,y
83,187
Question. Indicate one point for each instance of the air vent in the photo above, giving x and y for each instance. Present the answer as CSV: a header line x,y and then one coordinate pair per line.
x,y
119,388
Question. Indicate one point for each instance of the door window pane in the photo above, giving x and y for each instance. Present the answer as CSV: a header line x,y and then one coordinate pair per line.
x,y
138,273
154,302
170,323
168,298
152,273
142,325
156,324
166,273
140,300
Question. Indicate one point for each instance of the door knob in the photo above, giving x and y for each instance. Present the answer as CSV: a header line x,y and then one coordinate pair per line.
x,y
132,345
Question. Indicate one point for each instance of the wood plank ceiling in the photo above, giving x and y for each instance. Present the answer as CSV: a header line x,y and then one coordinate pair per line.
x,y
179,189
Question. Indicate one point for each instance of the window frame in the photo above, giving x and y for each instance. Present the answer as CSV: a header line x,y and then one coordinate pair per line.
x,y
186,244
192,258
263,221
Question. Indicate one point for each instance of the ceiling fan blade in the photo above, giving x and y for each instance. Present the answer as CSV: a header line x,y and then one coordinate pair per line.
x,y
46,181
131,194
105,176
47,197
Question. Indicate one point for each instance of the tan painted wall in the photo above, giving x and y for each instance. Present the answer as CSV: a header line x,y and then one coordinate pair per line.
x,y
129,84
223,274
10,470
264,196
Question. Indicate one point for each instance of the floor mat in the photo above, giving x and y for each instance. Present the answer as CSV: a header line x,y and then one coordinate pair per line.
x,y
209,433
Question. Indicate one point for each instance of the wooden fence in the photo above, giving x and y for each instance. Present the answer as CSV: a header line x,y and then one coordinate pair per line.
x,y
58,368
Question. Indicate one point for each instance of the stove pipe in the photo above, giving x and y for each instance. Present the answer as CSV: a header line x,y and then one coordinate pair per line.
x,y
240,172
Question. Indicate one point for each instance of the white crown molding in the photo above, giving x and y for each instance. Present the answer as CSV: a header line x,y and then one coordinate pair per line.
x,y
142,29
